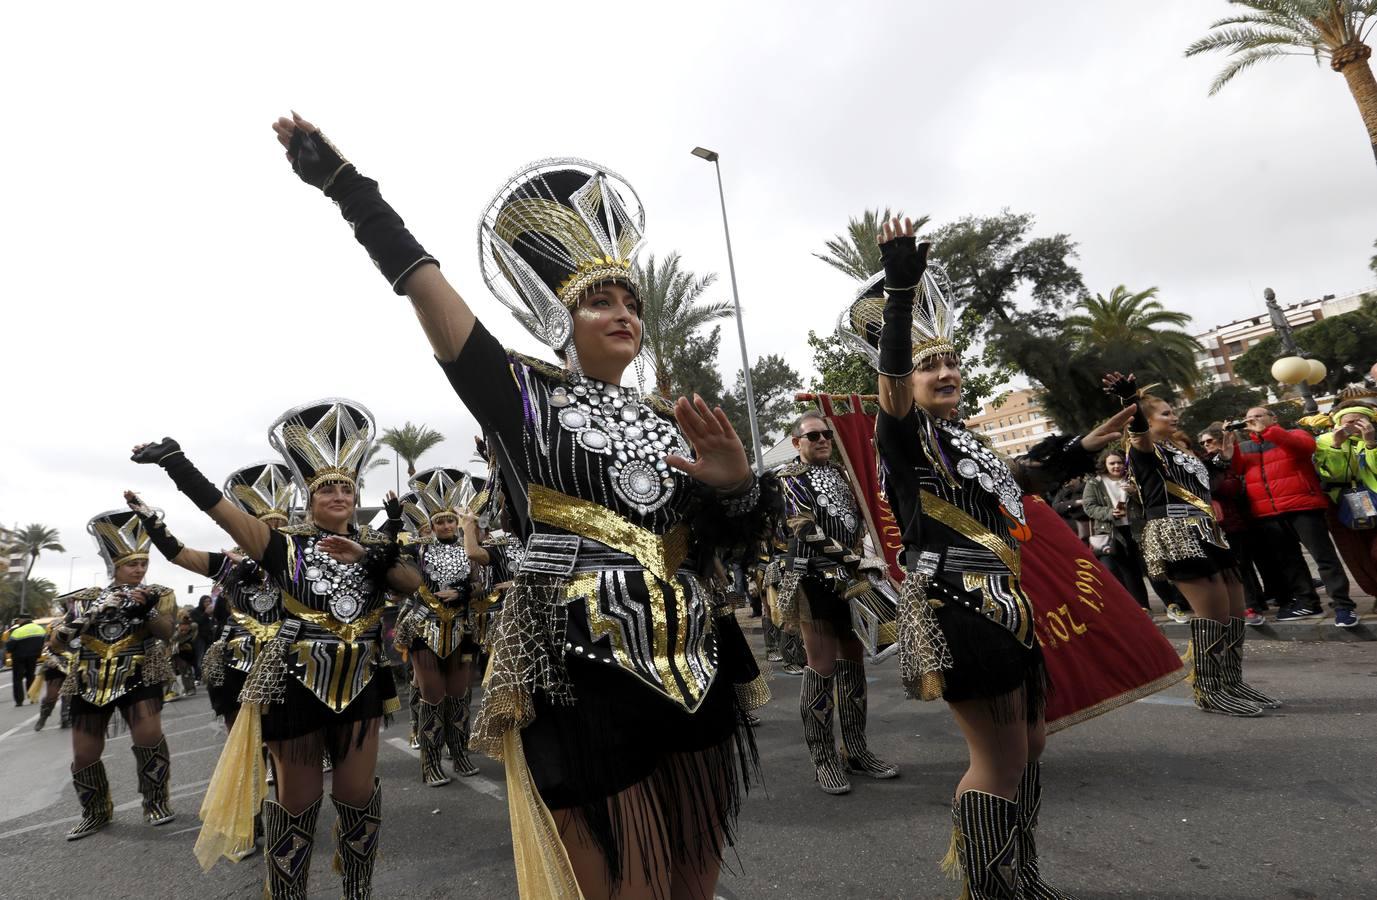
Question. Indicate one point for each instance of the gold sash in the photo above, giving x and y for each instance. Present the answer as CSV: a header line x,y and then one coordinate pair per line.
x,y
1181,493
961,522
322,619
661,556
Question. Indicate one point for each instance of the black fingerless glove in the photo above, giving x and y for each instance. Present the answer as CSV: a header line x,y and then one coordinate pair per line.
x,y
905,261
376,224
380,559
1126,389
393,525
157,531
188,479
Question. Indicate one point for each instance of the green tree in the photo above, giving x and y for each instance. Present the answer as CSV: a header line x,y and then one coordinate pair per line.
x,y
841,370
671,311
695,368
1332,30
33,596
1372,263
856,253
32,541
1220,403
410,442
1128,318
1346,344
775,382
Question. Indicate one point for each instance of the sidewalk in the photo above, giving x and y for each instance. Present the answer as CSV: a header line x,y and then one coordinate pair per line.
x,y
1320,629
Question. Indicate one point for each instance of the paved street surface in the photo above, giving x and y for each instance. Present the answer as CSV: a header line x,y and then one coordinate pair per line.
x,y
1153,801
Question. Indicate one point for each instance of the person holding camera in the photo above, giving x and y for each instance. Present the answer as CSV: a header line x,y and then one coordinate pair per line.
x,y
1285,498
1346,461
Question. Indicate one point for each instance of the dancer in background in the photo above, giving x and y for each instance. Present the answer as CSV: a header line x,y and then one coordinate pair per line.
x,y
612,679
965,630
114,637
1183,542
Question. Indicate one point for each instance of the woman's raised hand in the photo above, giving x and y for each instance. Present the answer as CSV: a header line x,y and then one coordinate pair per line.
x,y
341,549
1110,430
1125,387
137,505
721,458
314,159
905,260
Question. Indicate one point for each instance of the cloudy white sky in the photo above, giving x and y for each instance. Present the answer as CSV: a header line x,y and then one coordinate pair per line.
x,y
165,273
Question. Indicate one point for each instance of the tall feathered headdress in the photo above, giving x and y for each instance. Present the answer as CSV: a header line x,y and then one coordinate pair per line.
x,y
934,322
328,440
553,230
264,489
443,492
414,518
120,537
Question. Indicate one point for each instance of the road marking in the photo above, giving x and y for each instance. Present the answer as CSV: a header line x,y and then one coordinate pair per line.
x,y
197,750
186,790
185,830
1168,701
478,783
20,726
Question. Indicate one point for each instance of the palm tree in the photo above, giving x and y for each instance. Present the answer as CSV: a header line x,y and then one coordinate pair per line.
x,y
671,311
32,541
857,253
409,442
1125,319
1323,29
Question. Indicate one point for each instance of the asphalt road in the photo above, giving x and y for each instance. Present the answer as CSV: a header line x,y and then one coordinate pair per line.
x,y
1152,801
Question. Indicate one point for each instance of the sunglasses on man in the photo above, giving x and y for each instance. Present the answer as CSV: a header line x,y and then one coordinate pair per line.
x,y
817,435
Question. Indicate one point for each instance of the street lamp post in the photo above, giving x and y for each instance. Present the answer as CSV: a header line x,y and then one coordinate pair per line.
x,y
1288,346
70,566
711,156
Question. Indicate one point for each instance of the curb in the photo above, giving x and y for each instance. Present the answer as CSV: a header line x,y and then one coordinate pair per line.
x,y
1313,630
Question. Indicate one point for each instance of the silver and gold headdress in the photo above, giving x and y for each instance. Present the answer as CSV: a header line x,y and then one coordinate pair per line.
x,y
120,537
553,230
328,440
443,492
264,490
934,322
414,518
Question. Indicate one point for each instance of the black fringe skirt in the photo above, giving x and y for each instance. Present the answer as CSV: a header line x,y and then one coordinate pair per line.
x,y
822,608
138,702
691,770
224,697
988,663
308,728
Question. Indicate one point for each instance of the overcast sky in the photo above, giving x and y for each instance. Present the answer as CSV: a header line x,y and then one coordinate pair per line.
x,y
165,273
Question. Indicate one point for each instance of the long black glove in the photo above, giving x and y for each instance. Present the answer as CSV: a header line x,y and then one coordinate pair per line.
x,y
905,261
393,525
188,479
1125,387
376,224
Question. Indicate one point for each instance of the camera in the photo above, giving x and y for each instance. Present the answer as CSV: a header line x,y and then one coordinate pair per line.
x,y
1236,426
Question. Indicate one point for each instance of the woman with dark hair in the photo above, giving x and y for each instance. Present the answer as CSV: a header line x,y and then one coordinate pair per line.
x,y
1183,542
319,680
613,685
114,637
966,626
1111,501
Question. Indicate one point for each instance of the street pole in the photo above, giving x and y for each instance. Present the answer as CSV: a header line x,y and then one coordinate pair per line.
x,y
1288,346
70,565
712,157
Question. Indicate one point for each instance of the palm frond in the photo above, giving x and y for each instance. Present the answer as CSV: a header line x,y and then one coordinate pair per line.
x,y
1246,61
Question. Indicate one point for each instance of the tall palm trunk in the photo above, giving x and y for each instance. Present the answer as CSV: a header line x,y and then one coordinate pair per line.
x,y
24,585
1351,61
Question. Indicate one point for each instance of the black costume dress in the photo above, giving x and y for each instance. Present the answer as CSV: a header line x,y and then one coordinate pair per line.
x,y
610,655
255,609
1181,539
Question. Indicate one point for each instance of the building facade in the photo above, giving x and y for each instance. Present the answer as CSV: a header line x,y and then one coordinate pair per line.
x,y
1015,425
1223,344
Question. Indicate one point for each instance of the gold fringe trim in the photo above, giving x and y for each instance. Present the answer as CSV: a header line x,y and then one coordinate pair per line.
x,y
951,863
1112,703
754,694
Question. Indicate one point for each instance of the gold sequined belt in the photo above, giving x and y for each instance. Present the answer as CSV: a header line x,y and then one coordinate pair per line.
x,y
260,632
555,554
110,651
346,632
967,526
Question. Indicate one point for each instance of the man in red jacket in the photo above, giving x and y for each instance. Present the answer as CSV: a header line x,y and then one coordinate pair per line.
x,y
1286,500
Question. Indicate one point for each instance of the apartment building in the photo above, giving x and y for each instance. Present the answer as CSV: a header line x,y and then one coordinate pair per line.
x,y
1223,344
1015,425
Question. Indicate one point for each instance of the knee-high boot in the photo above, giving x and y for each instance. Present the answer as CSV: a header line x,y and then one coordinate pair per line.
x,y
987,847
93,793
1208,647
1234,634
791,652
45,709
414,703
431,736
1029,805
457,718
287,843
155,773
356,843
771,633
851,713
816,705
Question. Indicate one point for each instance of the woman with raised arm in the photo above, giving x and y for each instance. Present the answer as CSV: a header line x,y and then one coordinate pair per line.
x,y
966,627
613,682
318,681
434,625
1182,542
114,638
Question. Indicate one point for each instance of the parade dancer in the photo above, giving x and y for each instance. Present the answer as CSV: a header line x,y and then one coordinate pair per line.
x,y
319,681
434,625
613,684
114,638
52,671
1184,543
965,628
818,575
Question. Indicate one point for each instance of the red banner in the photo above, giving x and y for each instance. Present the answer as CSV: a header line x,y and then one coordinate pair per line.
x,y
1101,651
